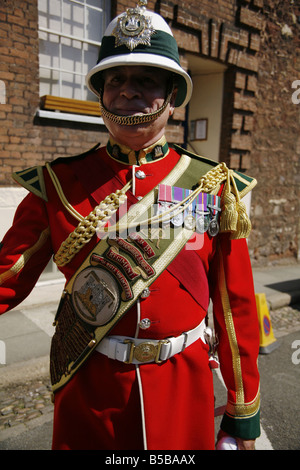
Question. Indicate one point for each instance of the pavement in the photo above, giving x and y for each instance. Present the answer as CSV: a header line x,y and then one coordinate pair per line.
x,y
25,337
280,284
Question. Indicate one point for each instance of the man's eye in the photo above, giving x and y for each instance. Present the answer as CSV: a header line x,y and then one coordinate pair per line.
x,y
148,81
115,80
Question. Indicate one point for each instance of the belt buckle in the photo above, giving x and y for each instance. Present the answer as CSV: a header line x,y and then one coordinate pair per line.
x,y
145,352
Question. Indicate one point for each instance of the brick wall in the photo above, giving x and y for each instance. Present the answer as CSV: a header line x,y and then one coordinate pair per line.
x,y
228,32
276,138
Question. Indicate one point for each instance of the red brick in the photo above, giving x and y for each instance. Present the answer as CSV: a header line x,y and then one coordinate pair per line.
x,y
258,3
254,42
6,75
250,18
234,161
240,80
241,142
252,83
248,123
246,161
247,61
245,103
237,121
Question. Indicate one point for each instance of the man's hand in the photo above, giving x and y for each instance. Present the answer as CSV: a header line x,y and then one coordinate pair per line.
x,y
243,444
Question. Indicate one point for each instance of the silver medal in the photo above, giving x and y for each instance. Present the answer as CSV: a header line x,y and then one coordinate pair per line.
x,y
213,228
177,220
202,224
162,207
189,222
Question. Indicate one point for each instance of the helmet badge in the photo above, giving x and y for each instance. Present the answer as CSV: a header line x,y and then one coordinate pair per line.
x,y
134,27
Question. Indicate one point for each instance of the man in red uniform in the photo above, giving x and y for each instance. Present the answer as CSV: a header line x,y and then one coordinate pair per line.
x,y
130,365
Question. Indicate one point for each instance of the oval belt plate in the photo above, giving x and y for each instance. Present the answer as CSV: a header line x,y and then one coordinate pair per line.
x,y
95,296
146,351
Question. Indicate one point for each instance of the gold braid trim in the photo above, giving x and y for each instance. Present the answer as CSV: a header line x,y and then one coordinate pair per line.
x,y
87,225
61,195
210,182
230,328
25,257
243,224
244,410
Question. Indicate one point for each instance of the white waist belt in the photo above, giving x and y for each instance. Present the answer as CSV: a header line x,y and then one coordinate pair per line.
x,y
139,351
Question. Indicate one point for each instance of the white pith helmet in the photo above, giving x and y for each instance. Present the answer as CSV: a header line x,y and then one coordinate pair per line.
x,y
140,37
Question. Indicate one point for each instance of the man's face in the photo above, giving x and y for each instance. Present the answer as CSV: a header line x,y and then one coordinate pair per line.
x,y
134,90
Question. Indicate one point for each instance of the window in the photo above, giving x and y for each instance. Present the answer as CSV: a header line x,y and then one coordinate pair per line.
x,y
70,33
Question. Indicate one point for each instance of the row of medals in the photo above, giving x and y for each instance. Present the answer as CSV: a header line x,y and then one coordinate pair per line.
x,y
203,221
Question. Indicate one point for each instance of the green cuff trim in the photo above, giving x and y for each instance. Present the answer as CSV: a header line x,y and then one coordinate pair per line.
x,y
245,428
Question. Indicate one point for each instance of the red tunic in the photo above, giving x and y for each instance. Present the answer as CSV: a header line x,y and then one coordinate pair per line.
x,y
112,405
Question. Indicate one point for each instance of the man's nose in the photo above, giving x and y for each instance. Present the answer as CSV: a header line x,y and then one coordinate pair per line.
x,y
130,89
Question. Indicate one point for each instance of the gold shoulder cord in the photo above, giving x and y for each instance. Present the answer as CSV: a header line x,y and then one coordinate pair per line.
x,y
87,225
234,218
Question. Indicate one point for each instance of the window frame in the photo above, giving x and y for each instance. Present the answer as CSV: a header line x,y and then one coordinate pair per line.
x,y
62,103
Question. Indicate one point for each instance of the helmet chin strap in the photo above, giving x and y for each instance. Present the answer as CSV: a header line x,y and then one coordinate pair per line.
x,y
136,119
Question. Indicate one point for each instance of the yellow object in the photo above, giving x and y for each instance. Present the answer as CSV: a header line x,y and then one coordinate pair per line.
x,y
229,215
267,341
234,217
243,226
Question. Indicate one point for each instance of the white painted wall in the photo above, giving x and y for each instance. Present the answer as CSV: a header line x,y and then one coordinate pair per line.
x,y
10,198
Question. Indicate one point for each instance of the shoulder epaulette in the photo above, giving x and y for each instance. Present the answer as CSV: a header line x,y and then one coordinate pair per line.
x,y
182,151
33,178
244,183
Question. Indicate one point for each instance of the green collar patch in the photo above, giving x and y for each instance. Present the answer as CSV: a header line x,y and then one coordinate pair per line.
x,y
128,156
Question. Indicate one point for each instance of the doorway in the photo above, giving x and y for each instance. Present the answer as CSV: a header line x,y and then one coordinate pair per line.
x,y
205,107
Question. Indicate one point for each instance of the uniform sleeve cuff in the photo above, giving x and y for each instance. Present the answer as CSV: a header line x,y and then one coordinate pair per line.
x,y
244,428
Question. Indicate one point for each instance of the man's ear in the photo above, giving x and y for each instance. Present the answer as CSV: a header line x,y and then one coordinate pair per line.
x,y
172,101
